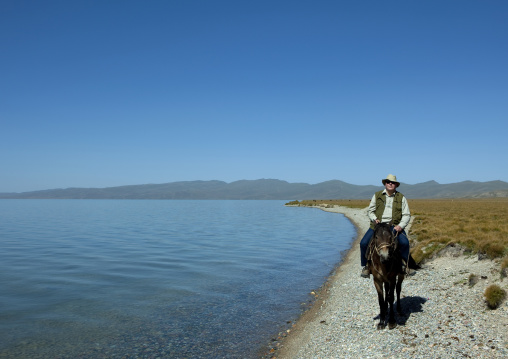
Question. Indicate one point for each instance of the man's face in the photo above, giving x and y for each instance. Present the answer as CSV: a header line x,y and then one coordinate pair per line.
x,y
390,186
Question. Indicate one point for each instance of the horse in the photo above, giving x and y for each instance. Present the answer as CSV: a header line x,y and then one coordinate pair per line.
x,y
386,269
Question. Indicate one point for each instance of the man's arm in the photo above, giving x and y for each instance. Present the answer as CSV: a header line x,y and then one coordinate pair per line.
x,y
372,209
406,215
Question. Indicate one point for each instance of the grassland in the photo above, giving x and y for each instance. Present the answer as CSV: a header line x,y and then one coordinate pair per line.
x,y
478,225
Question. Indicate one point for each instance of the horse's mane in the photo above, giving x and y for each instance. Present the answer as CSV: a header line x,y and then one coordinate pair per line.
x,y
383,227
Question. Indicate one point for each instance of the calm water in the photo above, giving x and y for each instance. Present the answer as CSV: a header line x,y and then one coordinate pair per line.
x,y
149,279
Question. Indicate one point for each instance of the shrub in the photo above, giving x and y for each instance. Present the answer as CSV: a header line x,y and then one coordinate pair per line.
x,y
504,267
504,263
293,203
473,279
494,296
492,249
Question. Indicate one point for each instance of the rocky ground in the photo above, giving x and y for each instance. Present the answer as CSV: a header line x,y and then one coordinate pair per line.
x,y
444,315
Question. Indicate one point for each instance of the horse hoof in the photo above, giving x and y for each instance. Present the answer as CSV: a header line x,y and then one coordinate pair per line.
x,y
381,326
392,325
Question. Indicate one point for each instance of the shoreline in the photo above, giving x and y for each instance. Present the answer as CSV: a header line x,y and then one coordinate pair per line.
x,y
443,315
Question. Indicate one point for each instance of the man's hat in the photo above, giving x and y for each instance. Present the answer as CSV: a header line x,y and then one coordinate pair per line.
x,y
391,178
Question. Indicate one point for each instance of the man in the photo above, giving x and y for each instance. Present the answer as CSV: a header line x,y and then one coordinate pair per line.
x,y
388,205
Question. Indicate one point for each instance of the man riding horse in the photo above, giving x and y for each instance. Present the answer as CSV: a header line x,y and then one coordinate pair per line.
x,y
388,206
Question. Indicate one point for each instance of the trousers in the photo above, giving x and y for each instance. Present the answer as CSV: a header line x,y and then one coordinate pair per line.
x,y
403,245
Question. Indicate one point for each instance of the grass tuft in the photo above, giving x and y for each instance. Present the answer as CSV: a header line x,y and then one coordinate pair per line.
x,y
473,279
504,263
494,295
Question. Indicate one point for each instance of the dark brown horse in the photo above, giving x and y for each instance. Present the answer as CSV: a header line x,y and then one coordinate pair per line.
x,y
386,269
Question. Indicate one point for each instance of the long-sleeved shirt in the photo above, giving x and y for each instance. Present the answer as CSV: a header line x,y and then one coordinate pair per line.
x,y
387,214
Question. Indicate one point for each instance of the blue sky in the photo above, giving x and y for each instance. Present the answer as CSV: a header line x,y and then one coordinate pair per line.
x,y
109,93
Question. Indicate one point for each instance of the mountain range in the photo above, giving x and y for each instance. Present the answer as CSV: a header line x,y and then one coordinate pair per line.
x,y
272,189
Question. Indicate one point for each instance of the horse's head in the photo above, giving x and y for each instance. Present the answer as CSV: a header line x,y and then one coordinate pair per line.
x,y
384,241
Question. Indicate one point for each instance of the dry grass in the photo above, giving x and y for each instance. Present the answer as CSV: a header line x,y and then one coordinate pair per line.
x,y
494,295
479,225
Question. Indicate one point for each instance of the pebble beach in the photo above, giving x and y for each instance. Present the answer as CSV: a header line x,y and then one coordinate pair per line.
x,y
444,316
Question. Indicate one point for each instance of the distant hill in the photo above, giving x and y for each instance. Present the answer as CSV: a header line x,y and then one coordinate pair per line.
x,y
268,189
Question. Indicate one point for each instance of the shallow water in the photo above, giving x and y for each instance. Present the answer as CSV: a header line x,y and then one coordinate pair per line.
x,y
172,279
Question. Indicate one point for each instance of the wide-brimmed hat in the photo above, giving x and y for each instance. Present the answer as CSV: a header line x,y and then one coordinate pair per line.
x,y
391,178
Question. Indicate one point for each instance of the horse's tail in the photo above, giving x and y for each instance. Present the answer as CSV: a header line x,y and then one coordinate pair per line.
x,y
412,264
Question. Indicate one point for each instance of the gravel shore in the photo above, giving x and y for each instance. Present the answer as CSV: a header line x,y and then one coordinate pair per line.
x,y
444,317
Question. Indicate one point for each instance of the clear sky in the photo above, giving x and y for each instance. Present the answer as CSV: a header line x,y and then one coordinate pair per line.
x,y
108,93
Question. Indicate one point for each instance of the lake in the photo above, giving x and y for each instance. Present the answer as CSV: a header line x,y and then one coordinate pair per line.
x,y
158,279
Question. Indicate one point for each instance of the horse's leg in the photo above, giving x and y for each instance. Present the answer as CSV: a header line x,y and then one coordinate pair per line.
x,y
400,278
379,288
387,295
391,321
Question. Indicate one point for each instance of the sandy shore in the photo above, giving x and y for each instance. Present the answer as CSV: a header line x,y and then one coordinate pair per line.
x,y
444,317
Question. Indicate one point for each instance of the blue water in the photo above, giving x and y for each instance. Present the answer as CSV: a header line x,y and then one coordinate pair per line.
x,y
158,279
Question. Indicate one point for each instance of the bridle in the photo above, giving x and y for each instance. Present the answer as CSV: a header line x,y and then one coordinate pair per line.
x,y
391,243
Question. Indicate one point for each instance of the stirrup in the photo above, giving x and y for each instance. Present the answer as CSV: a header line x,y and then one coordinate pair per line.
x,y
407,271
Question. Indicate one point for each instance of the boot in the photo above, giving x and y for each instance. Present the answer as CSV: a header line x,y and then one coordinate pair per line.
x,y
366,272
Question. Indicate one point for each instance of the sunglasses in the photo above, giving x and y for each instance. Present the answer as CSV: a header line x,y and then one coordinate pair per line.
x,y
390,182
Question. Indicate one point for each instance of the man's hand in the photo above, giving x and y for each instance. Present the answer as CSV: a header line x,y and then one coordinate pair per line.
x,y
398,228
